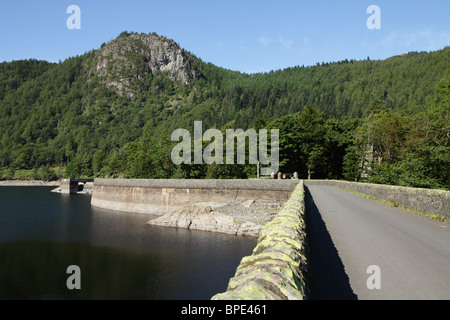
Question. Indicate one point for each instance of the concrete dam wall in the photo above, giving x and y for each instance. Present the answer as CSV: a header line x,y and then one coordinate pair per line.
x,y
160,197
276,269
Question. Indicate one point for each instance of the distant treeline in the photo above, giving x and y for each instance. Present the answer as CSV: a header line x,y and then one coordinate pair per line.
x,y
380,121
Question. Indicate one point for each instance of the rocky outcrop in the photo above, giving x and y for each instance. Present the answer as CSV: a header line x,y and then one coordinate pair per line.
x,y
206,219
237,218
133,57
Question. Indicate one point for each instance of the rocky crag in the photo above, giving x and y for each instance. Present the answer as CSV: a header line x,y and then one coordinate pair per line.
x,y
132,58
237,217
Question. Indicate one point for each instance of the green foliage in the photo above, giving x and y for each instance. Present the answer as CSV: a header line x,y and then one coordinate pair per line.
x,y
47,174
413,155
226,171
8,174
66,115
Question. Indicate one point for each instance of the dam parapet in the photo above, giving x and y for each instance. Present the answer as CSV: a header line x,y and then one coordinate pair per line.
x,y
159,197
278,266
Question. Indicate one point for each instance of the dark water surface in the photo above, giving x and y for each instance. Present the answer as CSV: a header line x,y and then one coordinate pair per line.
x,y
119,255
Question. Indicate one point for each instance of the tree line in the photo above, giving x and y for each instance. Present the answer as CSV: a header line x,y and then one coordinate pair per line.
x,y
377,121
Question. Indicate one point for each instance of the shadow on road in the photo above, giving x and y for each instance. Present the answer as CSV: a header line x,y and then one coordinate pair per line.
x,y
328,280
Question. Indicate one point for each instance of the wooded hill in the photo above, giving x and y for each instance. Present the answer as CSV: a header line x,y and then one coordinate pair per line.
x,y
111,112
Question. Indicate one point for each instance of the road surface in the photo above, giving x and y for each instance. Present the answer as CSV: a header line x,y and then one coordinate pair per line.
x,y
348,233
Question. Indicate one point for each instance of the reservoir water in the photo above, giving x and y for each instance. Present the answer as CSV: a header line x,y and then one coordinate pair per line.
x,y
119,255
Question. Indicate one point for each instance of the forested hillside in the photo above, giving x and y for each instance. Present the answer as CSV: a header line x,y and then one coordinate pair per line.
x,y
111,112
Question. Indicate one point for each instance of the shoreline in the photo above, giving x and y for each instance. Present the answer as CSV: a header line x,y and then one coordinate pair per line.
x,y
29,183
238,217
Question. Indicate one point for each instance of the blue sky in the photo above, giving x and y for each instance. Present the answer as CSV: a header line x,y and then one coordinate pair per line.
x,y
247,35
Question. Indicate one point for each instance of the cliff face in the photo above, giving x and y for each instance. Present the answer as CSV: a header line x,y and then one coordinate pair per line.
x,y
133,58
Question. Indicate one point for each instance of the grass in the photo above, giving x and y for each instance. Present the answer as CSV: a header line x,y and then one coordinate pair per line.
x,y
29,175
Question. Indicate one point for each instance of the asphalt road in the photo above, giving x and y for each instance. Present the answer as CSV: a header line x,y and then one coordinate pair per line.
x,y
348,233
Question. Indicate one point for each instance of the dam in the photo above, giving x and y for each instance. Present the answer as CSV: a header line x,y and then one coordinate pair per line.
x,y
281,248
284,262
160,197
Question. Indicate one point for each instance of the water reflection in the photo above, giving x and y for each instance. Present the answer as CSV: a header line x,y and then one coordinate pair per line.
x,y
120,256
37,270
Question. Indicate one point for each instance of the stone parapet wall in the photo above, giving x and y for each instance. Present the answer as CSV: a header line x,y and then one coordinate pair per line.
x,y
277,268
428,201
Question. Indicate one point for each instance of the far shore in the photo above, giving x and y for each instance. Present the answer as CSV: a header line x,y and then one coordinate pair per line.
x,y
29,183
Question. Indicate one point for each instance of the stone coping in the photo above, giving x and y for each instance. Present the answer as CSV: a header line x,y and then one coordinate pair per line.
x,y
276,270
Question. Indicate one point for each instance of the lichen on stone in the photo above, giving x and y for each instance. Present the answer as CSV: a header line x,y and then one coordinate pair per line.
x,y
275,269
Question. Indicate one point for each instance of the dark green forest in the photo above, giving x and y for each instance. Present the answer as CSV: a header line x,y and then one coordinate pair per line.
x,y
378,121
